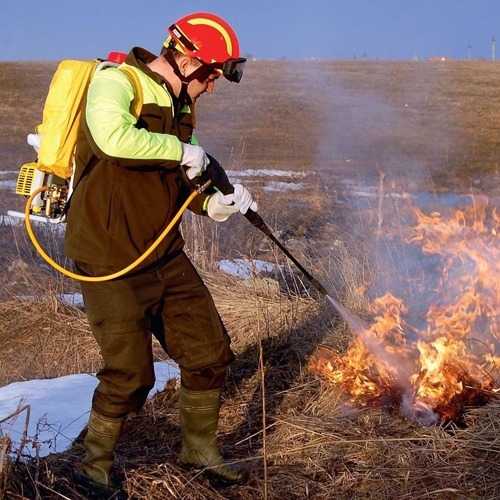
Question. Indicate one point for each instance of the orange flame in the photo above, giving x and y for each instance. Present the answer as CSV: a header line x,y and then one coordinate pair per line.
x,y
451,361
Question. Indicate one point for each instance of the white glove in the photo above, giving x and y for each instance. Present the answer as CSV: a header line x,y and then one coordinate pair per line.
x,y
195,158
220,207
242,199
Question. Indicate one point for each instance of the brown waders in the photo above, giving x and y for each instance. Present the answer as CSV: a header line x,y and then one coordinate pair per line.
x,y
171,302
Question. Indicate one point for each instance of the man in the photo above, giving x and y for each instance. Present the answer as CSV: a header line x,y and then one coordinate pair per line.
x,y
128,186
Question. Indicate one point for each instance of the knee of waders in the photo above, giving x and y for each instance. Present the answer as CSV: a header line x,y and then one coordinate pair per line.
x,y
116,400
127,375
203,379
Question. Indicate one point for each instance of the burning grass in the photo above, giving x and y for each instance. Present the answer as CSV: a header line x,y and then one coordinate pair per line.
x,y
449,361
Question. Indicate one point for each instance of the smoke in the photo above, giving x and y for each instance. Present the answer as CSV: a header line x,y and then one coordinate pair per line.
x,y
417,410
378,159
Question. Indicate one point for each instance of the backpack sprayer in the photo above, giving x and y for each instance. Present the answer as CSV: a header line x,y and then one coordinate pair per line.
x,y
56,136
50,206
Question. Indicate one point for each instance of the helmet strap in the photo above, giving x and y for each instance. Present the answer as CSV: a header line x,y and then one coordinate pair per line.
x,y
183,94
184,97
169,56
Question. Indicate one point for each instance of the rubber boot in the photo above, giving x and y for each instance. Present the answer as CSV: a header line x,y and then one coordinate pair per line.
x,y
99,443
199,412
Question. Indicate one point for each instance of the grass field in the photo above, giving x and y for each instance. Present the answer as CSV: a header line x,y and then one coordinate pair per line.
x,y
335,152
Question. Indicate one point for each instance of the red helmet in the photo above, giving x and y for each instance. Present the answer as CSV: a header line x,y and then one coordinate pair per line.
x,y
210,39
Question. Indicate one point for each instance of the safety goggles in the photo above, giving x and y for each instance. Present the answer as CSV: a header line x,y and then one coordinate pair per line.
x,y
232,69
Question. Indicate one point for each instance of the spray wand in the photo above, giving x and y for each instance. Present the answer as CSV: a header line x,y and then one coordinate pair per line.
x,y
218,177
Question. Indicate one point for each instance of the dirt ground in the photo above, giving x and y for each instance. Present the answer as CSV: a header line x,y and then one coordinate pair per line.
x,y
317,115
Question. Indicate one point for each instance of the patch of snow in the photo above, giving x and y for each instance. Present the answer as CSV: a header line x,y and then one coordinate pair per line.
x,y
283,186
264,172
59,408
244,268
374,194
9,184
72,299
13,218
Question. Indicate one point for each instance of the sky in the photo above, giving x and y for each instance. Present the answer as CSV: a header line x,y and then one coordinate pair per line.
x,y
294,29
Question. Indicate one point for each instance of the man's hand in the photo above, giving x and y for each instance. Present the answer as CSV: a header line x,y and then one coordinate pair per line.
x,y
195,158
220,207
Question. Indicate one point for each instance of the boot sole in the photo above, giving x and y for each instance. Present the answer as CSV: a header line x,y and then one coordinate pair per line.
x,y
216,480
97,491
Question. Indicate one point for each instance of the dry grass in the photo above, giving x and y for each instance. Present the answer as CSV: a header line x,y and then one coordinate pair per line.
x,y
4,464
316,446
43,338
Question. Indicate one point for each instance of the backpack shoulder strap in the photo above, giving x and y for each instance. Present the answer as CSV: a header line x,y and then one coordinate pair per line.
x,y
138,101
135,109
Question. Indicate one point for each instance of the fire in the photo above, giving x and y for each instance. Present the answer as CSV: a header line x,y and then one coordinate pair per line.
x,y
449,361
